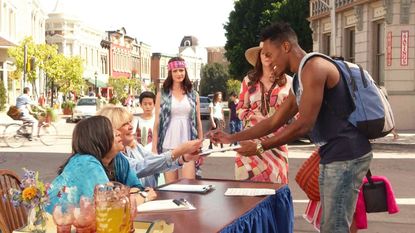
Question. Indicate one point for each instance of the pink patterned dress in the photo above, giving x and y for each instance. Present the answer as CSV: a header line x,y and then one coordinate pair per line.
x,y
272,166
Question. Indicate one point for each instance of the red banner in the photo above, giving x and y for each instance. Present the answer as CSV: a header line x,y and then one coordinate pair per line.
x,y
404,47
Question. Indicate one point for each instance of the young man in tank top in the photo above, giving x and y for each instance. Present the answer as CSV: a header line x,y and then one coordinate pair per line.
x,y
345,152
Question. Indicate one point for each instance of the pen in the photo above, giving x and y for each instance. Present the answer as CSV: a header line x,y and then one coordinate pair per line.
x,y
177,202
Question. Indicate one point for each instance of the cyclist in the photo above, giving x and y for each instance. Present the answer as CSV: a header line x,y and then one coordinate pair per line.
x,y
23,103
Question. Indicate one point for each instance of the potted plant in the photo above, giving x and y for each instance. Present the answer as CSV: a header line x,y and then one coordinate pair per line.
x,y
68,107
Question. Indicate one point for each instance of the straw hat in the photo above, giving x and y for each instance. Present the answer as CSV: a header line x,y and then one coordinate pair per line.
x,y
251,54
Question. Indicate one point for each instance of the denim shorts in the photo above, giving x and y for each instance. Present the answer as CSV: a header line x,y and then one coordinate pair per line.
x,y
339,188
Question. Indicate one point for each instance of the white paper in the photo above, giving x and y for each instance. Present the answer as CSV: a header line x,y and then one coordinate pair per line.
x,y
249,192
163,205
187,188
205,152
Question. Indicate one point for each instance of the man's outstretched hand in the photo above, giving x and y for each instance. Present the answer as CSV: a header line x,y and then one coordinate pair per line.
x,y
218,136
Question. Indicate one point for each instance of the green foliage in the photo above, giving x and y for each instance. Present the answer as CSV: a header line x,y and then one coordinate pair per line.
x,y
152,87
250,17
120,85
65,72
3,97
296,13
135,85
68,104
242,32
213,78
233,85
52,114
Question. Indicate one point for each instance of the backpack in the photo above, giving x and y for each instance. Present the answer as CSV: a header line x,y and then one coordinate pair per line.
x,y
372,114
14,112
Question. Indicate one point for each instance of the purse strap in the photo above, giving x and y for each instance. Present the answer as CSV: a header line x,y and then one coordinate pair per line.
x,y
369,177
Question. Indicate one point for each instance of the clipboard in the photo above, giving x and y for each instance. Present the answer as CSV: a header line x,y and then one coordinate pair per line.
x,y
165,205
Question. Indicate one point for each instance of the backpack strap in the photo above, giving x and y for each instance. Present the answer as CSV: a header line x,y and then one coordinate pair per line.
x,y
351,94
362,75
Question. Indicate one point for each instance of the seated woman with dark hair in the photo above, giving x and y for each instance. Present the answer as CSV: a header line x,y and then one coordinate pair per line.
x,y
95,160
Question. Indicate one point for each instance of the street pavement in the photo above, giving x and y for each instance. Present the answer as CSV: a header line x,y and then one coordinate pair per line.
x,y
394,159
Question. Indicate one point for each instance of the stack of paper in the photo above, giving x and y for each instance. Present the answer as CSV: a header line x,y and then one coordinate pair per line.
x,y
195,188
206,152
249,192
164,205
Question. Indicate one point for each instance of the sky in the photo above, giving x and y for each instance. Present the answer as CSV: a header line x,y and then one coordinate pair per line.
x,y
160,23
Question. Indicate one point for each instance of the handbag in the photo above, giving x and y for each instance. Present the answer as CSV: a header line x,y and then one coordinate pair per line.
x,y
374,194
307,176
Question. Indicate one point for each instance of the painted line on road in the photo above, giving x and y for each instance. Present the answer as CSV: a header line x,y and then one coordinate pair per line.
x,y
399,201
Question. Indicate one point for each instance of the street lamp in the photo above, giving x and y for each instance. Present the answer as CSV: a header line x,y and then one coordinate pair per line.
x,y
96,88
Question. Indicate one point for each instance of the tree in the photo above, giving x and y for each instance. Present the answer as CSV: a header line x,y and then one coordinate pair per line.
x,y
296,13
213,78
242,32
17,53
65,72
3,97
248,19
120,85
233,85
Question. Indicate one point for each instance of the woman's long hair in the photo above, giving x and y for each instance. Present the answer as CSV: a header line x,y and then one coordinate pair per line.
x,y
216,97
168,83
93,136
255,74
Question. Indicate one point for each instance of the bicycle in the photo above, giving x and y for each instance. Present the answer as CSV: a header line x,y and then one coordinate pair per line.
x,y
15,134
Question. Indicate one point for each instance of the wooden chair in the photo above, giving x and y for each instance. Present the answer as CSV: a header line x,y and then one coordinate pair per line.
x,y
11,218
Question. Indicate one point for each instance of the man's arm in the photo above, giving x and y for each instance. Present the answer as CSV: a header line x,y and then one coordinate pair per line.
x,y
314,76
287,110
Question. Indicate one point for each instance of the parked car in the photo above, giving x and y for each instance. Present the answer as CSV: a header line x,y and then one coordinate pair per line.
x,y
204,107
85,107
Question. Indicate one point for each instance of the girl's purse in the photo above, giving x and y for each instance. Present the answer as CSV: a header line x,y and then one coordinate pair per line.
x,y
374,194
307,176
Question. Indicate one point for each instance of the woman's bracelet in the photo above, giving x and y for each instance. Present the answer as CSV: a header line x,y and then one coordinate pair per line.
x,y
184,159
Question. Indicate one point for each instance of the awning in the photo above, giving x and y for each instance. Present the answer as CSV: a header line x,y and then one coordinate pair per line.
x,y
4,43
99,82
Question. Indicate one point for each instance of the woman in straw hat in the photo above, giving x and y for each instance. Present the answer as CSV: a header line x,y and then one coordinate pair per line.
x,y
265,94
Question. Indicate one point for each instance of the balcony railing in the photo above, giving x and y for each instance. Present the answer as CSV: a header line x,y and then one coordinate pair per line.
x,y
318,7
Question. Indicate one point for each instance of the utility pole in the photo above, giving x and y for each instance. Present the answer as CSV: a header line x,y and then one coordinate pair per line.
x,y
332,8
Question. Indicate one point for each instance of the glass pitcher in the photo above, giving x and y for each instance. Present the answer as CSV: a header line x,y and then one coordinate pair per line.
x,y
112,208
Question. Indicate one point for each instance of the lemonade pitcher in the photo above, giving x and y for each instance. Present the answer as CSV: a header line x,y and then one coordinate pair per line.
x,y
112,206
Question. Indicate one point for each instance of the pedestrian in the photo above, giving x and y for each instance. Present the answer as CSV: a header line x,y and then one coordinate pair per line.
x,y
264,94
235,124
147,165
145,123
217,118
345,153
41,100
101,101
177,115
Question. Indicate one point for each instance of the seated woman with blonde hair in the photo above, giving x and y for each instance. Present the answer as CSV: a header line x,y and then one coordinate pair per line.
x,y
147,165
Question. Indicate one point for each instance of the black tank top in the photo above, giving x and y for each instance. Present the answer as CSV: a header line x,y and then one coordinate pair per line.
x,y
339,140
